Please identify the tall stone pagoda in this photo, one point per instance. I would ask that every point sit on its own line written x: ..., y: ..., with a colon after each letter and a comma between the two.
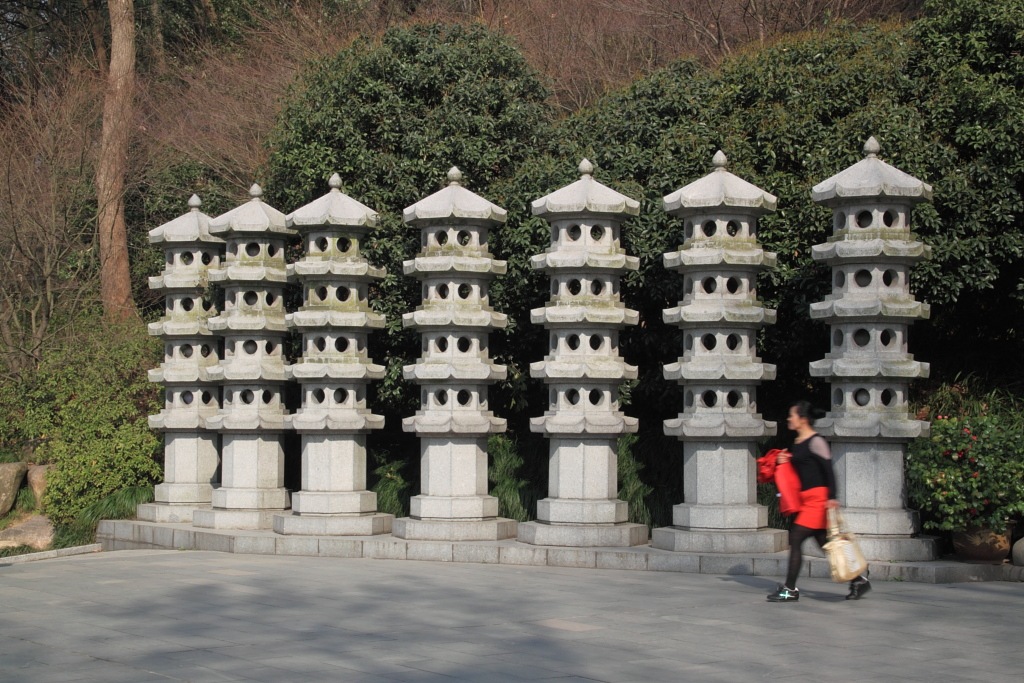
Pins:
x: 191, y: 396
x: 583, y: 371
x: 252, y: 372
x: 335, y: 320
x: 869, y: 313
x: 720, y: 316
x: 455, y: 368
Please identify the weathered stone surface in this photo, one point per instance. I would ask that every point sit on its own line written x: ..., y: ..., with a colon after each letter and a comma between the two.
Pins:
x: 11, y: 476
x: 1017, y: 554
x: 36, y: 531
x: 37, y: 482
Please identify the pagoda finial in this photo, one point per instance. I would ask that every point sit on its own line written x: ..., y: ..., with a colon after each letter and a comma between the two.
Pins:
x: 194, y: 202
x: 719, y: 161
x: 586, y: 168
x: 335, y: 183
x: 454, y: 176
x: 871, y: 148
x: 255, y: 191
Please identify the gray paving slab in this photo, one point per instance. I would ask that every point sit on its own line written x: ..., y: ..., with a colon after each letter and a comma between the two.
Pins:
x: 198, y: 616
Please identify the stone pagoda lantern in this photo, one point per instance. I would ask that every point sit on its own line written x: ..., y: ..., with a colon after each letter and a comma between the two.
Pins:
x: 584, y: 369
x: 455, y: 268
x: 869, y: 313
x: 191, y: 396
x: 252, y: 372
x: 335, y: 321
x: 720, y: 316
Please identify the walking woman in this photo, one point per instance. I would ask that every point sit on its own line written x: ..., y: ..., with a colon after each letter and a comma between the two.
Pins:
x: 811, y: 457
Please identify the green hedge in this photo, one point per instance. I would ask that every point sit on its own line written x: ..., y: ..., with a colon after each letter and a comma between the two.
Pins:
x: 84, y: 412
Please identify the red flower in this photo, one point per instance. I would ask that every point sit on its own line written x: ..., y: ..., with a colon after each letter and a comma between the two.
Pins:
x: 975, y: 475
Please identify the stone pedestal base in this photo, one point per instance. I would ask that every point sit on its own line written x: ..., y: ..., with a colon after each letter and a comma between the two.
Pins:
x: 454, y: 530
x: 183, y: 493
x: 584, y: 535
x: 190, y: 468
x: 233, y: 519
x: 334, y: 502
x: 725, y: 518
x: 895, y: 549
x: 453, y: 508
x: 271, y: 499
x: 717, y: 541
x: 581, y: 511
x: 327, y: 525
x: 167, y: 514
x: 881, y: 522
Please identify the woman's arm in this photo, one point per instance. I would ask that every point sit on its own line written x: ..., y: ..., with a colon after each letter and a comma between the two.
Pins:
x: 823, y: 456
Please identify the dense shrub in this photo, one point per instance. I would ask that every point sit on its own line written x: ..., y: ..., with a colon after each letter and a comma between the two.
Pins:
x: 85, y: 412
x: 514, y: 493
x: 969, y: 473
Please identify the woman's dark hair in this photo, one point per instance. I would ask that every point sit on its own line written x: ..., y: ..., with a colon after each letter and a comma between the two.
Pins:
x: 807, y: 411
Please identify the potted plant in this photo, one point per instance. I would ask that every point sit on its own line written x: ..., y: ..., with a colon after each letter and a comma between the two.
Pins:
x: 967, y: 478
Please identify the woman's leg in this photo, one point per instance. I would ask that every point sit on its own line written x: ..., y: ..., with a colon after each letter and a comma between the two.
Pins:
x: 797, y: 535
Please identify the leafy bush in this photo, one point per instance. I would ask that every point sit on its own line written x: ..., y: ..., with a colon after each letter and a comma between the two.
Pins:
x: 86, y: 409
x: 509, y: 488
x: 391, y: 488
x: 969, y: 473
x: 632, y: 489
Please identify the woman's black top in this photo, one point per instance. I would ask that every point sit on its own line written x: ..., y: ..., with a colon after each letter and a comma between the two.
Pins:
x: 813, y: 469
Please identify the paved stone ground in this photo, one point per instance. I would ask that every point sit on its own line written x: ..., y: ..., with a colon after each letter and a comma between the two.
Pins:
x: 156, y: 616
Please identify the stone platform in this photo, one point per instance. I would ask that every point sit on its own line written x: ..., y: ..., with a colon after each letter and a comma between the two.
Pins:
x: 134, y: 535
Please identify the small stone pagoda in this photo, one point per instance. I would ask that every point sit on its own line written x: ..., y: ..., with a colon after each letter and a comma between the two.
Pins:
x: 454, y: 370
x: 869, y: 313
x: 335, y: 320
x: 584, y: 369
x: 191, y: 396
x: 720, y: 316
x: 252, y: 372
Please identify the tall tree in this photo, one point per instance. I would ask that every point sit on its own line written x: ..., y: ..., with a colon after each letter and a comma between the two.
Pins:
x: 118, y: 108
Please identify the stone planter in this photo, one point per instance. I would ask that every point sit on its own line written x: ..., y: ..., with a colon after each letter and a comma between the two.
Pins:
x: 981, y: 545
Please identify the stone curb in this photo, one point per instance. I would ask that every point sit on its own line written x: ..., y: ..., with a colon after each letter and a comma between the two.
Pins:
x: 51, y: 554
x: 136, y: 535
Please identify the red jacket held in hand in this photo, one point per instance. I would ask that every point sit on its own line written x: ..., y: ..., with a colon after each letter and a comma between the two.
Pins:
x: 785, y: 478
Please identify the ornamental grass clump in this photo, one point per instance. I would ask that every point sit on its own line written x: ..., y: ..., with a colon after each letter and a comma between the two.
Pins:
x: 969, y: 474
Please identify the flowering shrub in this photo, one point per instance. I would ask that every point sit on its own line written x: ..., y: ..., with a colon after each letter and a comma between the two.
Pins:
x: 968, y: 473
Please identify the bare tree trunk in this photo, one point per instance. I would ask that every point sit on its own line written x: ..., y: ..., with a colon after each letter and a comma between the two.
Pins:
x: 99, y: 45
x: 210, y: 12
x: 157, y: 18
x: 115, y: 276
